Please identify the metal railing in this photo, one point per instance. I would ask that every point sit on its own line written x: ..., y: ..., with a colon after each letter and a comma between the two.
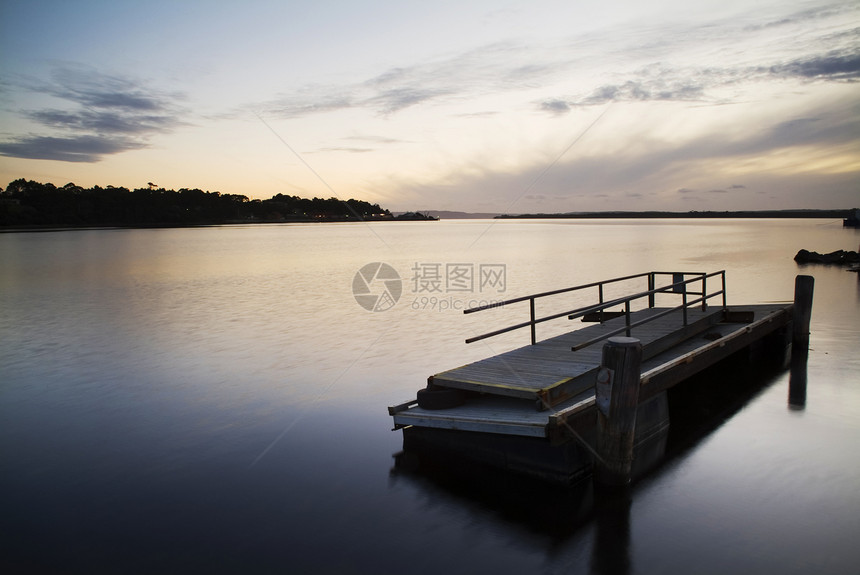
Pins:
x: 678, y: 286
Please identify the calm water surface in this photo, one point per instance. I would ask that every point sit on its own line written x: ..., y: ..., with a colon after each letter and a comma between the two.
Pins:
x: 214, y: 400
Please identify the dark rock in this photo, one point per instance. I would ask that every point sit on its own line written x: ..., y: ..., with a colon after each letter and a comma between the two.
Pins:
x: 839, y: 257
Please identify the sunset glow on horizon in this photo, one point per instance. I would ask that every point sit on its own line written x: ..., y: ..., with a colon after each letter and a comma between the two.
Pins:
x: 542, y: 106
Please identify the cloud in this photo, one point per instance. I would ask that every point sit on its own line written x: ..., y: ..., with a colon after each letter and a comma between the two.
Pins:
x: 311, y: 100
x: 692, y: 84
x: 556, y: 107
x: 93, y: 89
x: 103, y: 115
x: 346, y: 149
x: 695, y: 169
x: 775, y: 73
x: 484, y: 114
x: 839, y: 125
x: 663, y: 67
x: 804, y: 17
x: 396, y: 99
x: 103, y: 121
x: 644, y: 90
x: 73, y: 149
x: 394, y: 90
x: 374, y: 139
x: 832, y: 66
x: 488, y: 69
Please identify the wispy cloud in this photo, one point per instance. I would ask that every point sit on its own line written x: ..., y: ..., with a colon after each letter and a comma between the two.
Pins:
x: 555, y: 107
x: 695, y: 167
x: 490, y: 69
x: 643, y: 90
x: 72, y: 149
x: 351, y: 150
x: 399, y: 98
x: 88, y: 87
x: 832, y: 66
x: 701, y: 83
x: 661, y: 67
x: 805, y: 17
x: 100, y: 115
x: 373, y: 139
x: 103, y: 121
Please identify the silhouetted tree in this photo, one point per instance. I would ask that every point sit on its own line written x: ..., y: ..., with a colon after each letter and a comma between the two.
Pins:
x: 32, y: 203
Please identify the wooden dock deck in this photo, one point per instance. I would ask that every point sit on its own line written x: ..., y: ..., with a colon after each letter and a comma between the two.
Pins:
x: 554, y: 408
x: 549, y: 374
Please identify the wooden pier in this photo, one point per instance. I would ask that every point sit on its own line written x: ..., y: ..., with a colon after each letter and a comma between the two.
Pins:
x: 534, y: 409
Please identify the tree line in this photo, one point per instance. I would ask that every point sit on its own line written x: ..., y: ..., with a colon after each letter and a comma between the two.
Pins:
x: 29, y: 203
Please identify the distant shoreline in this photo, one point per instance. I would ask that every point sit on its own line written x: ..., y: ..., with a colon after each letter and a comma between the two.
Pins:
x: 764, y: 214
x: 749, y: 214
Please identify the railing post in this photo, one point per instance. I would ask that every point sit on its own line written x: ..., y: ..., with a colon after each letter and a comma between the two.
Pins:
x: 627, y: 317
x: 651, y: 301
x: 616, y: 397
x: 723, y: 274
x: 704, y: 292
x: 684, y: 308
x: 532, y: 312
x: 600, y: 296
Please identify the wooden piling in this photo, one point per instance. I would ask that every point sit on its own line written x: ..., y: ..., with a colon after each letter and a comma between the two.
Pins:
x: 797, y: 381
x: 802, y: 314
x: 617, y: 397
x: 801, y: 317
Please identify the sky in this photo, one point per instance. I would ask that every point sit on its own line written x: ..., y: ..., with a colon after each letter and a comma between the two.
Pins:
x: 477, y: 106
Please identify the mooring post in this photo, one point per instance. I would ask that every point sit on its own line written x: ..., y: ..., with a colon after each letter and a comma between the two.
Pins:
x: 803, y: 288
x: 801, y: 317
x: 797, y: 382
x: 617, y: 397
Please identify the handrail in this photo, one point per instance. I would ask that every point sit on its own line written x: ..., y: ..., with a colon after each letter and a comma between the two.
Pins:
x: 677, y: 287
x: 554, y: 292
x: 627, y: 327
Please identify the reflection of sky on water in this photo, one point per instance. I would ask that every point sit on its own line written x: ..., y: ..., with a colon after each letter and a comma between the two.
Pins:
x: 144, y: 371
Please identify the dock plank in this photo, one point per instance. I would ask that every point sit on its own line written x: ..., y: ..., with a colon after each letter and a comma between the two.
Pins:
x: 549, y: 371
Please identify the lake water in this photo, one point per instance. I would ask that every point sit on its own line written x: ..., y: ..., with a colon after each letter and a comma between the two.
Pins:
x: 214, y: 400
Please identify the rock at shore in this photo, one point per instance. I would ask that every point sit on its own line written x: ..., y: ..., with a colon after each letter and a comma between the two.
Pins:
x: 839, y: 257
